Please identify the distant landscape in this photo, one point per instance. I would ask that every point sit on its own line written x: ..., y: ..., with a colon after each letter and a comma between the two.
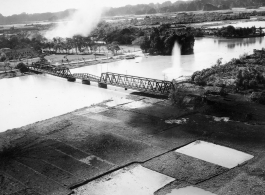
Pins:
x: 166, y: 7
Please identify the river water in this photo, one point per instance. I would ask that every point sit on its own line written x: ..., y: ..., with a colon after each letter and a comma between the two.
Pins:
x: 33, y: 98
x: 206, y: 53
x: 28, y: 99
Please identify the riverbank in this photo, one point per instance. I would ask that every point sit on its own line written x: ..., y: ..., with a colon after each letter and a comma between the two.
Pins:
x: 72, y: 64
x: 12, y: 74
x: 88, y: 62
x: 236, y: 37
x: 96, y: 144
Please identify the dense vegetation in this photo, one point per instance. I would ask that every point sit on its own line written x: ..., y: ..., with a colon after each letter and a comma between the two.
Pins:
x: 162, y: 40
x: 116, y: 32
x: 248, y: 72
x: 231, y: 31
x: 19, y: 42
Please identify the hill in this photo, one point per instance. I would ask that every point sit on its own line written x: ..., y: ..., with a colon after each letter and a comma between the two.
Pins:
x: 167, y: 6
x: 25, y: 18
x: 178, y: 6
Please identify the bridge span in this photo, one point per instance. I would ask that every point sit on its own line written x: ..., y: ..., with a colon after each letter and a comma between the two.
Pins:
x: 147, y: 85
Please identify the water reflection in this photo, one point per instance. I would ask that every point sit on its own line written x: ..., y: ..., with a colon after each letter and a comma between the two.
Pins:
x: 231, y: 45
x: 243, y: 24
x: 216, y: 154
x: 131, y: 180
x: 240, y: 42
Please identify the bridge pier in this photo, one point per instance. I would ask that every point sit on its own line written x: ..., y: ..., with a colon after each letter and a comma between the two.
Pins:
x: 86, y: 82
x: 71, y: 79
x: 102, y: 85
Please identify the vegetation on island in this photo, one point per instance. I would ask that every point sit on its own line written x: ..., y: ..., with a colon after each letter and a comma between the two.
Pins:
x: 161, y: 41
x: 232, y: 32
x: 246, y: 75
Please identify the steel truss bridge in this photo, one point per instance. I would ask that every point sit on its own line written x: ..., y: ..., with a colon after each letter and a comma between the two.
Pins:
x: 142, y: 84
x: 138, y: 83
x: 86, y: 76
x: 60, y: 72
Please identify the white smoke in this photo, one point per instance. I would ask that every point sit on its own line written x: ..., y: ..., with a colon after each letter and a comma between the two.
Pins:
x: 176, y: 69
x: 82, y: 22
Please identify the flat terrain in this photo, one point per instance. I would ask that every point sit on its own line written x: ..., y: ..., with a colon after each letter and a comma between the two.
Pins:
x: 66, y: 154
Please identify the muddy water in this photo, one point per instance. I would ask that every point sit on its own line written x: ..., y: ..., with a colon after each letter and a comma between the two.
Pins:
x: 206, y: 53
x: 130, y: 181
x: 29, y: 99
x: 216, y: 154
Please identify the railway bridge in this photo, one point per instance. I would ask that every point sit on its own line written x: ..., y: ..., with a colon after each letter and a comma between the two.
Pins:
x: 147, y: 85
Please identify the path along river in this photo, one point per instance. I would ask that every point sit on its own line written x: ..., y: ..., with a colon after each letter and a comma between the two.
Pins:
x: 33, y: 98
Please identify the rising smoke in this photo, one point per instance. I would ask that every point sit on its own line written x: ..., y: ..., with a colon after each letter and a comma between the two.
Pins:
x: 176, y: 69
x: 81, y: 22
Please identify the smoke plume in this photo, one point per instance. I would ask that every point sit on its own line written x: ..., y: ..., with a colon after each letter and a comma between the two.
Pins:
x: 176, y: 69
x: 81, y: 22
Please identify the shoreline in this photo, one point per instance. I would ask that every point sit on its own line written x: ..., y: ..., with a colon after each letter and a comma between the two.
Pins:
x: 16, y: 73
x: 246, y: 37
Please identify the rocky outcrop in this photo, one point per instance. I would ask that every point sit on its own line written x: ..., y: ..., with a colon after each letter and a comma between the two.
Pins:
x: 161, y: 41
x: 187, y: 44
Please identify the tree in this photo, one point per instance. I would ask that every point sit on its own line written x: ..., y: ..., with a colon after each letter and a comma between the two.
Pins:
x: 3, y: 57
x: 230, y: 30
x: 114, y: 47
x: 145, y: 44
x: 157, y: 44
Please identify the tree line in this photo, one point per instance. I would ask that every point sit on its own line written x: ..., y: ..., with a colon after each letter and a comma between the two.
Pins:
x: 231, y: 31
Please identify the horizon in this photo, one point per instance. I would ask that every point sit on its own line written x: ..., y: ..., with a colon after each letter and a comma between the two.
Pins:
x: 33, y: 6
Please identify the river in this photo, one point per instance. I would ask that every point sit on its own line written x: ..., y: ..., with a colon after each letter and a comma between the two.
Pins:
x: 29, y: 99
x: 206, y: 53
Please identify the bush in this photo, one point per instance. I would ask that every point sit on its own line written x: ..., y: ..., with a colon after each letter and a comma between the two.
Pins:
x: 178, y: 94
x: 253, y: 84
x: 258, y: 97
x: 199, y: 80
x: 22, y: 67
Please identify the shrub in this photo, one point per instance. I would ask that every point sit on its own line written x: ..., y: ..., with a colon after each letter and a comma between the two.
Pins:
x: 178, y: 94
x: 22, y: 67
x: 253, y: 84
x: 199, y: 80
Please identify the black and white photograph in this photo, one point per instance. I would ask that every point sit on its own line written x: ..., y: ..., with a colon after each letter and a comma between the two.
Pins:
x: 142, y: 97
